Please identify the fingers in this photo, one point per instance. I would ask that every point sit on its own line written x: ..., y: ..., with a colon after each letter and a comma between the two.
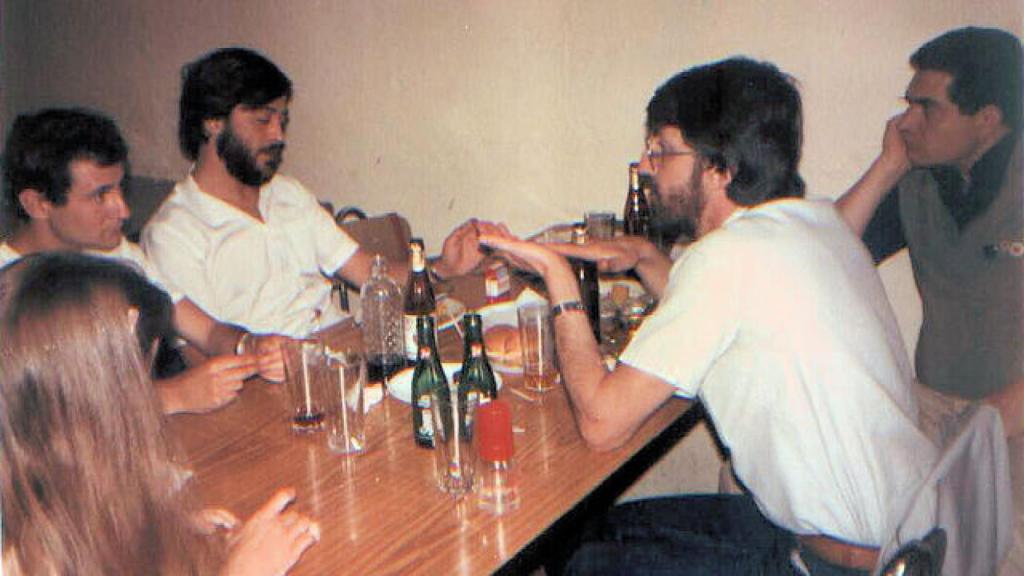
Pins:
x: 211, y: 519
x: 233, y: 368
x: 278, y: 502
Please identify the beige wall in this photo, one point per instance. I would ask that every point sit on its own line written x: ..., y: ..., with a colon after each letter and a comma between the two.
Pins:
x: 522, y: 111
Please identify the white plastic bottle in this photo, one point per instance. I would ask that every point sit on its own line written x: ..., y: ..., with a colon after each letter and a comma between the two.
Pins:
x: 381, y: 301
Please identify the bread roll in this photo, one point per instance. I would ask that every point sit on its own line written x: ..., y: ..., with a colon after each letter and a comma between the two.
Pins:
x: 502, y: 342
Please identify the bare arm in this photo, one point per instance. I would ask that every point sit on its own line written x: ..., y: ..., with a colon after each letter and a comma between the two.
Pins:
x: 622, y: 254
x: 460, y: 254
x: 859, y: 203
x: 207, y: 387
x: 203, y: 332
x: 608, y: 406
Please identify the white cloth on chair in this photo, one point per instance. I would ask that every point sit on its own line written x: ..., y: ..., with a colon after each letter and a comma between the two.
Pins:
x: 968, y: 495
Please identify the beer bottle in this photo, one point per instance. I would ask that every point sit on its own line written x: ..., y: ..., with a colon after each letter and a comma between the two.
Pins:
x: 477, y: 376
x: 586, y: 275
x: 427, y: 376
x: 419, y: 297
x: 636, y: 217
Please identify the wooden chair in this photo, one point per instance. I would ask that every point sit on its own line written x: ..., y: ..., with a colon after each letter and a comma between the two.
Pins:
x: 387, y: 235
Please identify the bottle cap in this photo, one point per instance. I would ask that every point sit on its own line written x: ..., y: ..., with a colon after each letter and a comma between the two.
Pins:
x: 494, y: 431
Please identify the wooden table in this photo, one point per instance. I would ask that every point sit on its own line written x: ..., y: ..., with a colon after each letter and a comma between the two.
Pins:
x: 381, y: 511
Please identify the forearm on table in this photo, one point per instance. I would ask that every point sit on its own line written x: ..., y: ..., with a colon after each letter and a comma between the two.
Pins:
x: 204, y: 332
x: 168, y: 391
x: 582, y: 367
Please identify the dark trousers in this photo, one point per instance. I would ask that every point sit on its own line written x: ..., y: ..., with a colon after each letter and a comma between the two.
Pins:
x: 698, y: 534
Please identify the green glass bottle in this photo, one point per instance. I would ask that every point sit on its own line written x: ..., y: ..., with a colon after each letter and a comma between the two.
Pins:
x: 477, y: 376
x: 427, y: 376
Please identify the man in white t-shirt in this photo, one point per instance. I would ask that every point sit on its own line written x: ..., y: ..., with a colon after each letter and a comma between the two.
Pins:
x: 248, y: 245
x: 63, y: 174
x: 775, y: 319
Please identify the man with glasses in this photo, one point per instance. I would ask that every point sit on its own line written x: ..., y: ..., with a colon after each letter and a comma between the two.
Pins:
x: 248, y: 245
x: 775, y: 319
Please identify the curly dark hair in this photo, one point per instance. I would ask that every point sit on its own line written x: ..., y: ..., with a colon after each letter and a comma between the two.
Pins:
x: 213, y: 85
x: 41, y: 146
x: 741, y: 116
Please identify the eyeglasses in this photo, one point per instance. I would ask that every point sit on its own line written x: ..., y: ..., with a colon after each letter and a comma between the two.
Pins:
x: 658, y: 158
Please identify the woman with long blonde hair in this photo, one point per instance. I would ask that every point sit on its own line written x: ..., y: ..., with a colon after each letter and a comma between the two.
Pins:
x: 87, y: 484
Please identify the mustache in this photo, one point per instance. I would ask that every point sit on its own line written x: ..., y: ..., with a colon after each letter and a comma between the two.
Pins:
x: 275, y: 149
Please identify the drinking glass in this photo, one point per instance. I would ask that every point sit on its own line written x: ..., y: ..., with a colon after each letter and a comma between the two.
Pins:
x: 346, y: 431
x: 453, y: 438
x: 536, y: 340
x: 600, y: 225
x: 305, y: 376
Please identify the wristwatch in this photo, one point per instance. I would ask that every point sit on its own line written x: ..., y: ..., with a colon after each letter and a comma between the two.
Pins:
x: 567, y: 306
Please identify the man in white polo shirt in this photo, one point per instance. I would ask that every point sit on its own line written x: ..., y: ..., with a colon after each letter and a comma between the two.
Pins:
x: 775, y: 319
x: 63, y: 173
x: 248, y: 245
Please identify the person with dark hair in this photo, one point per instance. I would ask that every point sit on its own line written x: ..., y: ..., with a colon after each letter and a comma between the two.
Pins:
x: 249, y: 245
x: 63, y: 178
x: 86, y: 481
x: 948, y: 186
x: 775, y: 318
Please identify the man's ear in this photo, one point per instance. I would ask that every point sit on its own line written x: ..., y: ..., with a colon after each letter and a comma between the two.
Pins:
x: 989, y: 117
x: 35, y: 203
x: 717, y: 178
x: 212, y: 127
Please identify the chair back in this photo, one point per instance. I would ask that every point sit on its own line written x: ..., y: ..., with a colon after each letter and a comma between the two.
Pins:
x: 387, y: 235
x: 919, y: 558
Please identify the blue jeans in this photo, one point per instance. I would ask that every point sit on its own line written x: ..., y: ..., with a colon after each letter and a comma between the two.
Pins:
x: 698, y: 534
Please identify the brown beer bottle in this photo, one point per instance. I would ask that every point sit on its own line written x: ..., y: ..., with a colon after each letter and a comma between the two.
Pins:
x: 636, y: 217
x: 586, y: 275
x: 419, y: 297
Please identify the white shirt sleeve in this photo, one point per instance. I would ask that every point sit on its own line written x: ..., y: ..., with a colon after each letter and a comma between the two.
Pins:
x: 333, y: 246
x: 695, y: 323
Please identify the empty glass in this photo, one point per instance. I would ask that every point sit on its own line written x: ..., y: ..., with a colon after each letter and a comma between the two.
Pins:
x: 346, y: 431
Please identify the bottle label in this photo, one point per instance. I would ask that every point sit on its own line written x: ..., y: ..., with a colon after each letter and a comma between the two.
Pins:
x: 411, y: 347
x: 426, y: 429
x: 496, y: 282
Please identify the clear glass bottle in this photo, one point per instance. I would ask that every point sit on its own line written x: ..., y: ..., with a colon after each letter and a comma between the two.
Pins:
x: 381, y: 301
x: 419, y: 296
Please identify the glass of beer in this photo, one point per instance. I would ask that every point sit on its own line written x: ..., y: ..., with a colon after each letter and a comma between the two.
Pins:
x: 306, y: 376
x: 536, y: 339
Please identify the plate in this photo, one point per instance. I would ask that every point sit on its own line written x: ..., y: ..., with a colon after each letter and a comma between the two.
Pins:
x: 400, y: 385
x: 504, y: 313
x: 449, y: 311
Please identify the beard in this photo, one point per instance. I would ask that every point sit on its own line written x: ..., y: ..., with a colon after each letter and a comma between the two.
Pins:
x: 241, y: 162
x: 678, y: 216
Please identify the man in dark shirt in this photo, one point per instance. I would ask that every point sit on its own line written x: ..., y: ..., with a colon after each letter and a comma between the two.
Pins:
x: 947, y: 185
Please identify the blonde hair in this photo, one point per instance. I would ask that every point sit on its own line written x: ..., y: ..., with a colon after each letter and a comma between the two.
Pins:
x: 86, y: 483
